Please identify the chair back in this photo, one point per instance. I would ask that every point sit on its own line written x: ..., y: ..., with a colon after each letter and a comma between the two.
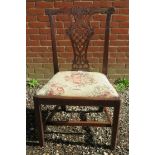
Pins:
x: 80, y: 31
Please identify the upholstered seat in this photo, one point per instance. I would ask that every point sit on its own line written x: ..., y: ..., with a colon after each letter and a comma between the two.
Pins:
x: 80, y: 84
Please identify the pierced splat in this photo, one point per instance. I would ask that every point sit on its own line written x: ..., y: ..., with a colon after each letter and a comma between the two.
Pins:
x: 80, y: 33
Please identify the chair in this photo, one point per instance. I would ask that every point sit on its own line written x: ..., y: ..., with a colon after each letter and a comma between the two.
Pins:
x: 79, y: 87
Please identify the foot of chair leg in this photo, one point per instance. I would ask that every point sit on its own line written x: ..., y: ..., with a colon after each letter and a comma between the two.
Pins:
x: 39, y: 123
x: 115, y: 125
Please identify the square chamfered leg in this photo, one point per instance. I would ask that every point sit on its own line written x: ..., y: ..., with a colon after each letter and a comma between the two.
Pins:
x: 115, y: 124
x: 39, y: 123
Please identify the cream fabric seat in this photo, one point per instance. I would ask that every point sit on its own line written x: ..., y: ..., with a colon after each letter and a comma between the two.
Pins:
x: 79, y: 84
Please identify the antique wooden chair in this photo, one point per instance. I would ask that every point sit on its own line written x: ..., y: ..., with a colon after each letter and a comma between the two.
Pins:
x: 79, y: 87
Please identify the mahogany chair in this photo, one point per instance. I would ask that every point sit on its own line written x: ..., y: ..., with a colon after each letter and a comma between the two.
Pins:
x: 79, y: 87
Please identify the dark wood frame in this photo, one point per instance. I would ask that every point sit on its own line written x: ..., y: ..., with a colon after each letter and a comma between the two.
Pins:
x: 78, y: 101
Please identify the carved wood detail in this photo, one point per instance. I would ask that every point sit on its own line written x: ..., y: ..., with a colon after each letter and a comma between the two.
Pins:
x: 80, y: 33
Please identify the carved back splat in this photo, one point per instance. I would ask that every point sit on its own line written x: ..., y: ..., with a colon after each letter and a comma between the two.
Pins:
x: 80, y: 33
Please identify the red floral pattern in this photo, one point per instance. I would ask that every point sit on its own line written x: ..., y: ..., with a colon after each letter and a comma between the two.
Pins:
x: 80, y: 78
x: 55, y: 90
x: 79, y: 83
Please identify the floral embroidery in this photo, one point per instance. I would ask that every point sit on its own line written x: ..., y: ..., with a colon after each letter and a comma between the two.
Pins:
x: 80, y: 78
x: 101, y: 91
x: 55, y: 89
x: 79, y: 83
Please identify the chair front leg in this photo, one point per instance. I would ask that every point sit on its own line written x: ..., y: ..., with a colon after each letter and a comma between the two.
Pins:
x: 115, y: 124
x: 39, y: 123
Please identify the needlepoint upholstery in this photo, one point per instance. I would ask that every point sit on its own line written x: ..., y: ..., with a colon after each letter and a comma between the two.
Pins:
x: 79, y: 84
